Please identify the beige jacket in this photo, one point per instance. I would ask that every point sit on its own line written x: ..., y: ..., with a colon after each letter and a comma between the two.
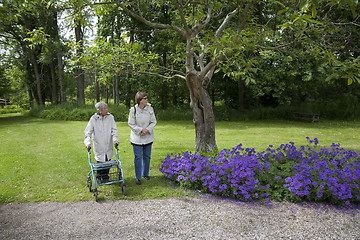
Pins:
x: 104, y: 132
x: 140, y: 119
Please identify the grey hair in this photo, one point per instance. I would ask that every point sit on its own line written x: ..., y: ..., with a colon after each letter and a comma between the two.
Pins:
x: 100, y: 106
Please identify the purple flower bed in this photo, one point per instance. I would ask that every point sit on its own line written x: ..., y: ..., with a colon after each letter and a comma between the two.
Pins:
x: 285, y: 173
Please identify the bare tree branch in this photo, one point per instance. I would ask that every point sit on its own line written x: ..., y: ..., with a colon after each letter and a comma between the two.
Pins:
x: 274, y: 48
x: 162, y: 76
x: 226, y: 21
x: 151, y: 24
x: 169, y: 70
x: 201, y: 24
x: 348, y: 23
x: 182, y: 16
x: 243, y: 16
x: 210, y: 67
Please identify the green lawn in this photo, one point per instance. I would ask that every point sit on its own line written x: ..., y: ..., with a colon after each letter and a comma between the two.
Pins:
x: 43, y: 160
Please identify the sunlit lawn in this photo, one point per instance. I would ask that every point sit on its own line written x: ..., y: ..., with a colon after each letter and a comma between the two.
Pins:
x: 42, y: 160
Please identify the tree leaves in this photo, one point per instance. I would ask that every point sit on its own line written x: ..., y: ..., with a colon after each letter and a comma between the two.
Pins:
x: 37, y: 37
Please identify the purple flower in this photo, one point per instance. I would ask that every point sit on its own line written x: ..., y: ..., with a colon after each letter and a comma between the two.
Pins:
x: 311, y: 173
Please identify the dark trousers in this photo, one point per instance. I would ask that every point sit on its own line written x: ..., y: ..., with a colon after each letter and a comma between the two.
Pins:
x: 103, y: 175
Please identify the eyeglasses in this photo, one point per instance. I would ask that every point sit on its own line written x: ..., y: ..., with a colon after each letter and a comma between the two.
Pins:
x: 145, y: 98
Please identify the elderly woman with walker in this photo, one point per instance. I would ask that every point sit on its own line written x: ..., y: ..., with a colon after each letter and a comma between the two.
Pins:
x: 102, y: 128
x: 142, y: 122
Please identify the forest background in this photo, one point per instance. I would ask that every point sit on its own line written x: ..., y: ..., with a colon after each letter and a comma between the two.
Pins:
x: 227, y: 60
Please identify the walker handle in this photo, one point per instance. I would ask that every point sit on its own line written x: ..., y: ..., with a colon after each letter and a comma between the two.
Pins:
x: 88, y: 148
x: 116, y: 146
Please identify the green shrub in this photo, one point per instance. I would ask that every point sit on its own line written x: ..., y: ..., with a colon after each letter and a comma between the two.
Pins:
x: 10, y: 109
x: 79, y: 114
x: 120, y: 112
x: 332, y: 110
x: 174, y: 114
x: 75, y: 112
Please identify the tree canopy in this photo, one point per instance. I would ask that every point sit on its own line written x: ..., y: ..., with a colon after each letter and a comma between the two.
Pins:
x: 243, y: 54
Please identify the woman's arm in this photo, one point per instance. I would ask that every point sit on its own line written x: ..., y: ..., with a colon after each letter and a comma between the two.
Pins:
x: 132, y: 122
x: 88, y: 132
x: 152, y: 121
x: 114, y: 132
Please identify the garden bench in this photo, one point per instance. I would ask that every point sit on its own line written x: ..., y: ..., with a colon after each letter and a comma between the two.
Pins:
x: 314, y: 117
x: 4, y: 102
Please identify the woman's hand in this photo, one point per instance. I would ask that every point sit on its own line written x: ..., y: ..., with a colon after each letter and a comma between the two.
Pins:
x: 144, y: 131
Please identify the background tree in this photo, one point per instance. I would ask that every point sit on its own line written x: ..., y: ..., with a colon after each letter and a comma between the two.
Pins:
x: 31, y: 29
x: 221, y: 55
x: 210, y: 40
x: 193, y: 26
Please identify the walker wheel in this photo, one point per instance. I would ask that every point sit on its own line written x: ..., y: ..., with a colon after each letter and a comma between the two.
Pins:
x: 123, y: 189
x: 96, y: 195
x: 89, y: 184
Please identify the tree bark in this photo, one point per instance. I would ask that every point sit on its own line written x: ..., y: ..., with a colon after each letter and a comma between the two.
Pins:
x: 79, y: 71
x: 60, y: 65
x: 204, y: 119
x: 97, y: 90
x: 164, y: 85
x: 37, y: 78
x: 116, y: 89
x: 29, y: 83
x: 197, y: 80
x: 241, y: 92
x: 106, y: 94
x: 53, y: 84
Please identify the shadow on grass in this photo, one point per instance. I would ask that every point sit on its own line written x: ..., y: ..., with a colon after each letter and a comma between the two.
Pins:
x: 230, y: 125
x: 9, y: 119
x: 156, y: 187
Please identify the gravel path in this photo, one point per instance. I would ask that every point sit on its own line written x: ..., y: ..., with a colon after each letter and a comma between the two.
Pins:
x: 201, y: 217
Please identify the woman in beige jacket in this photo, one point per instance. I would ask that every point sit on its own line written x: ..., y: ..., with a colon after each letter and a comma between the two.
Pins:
x: 102, y: 128
x: 142, y: 122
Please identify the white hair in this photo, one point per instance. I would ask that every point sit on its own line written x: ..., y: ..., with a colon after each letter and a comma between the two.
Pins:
x: 100, y: 106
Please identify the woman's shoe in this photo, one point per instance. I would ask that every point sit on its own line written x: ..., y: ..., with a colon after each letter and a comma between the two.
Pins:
x: 147, y: 177
x: 138, y: 182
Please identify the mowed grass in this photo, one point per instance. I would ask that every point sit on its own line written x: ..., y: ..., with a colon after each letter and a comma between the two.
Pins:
x: 43, y: 160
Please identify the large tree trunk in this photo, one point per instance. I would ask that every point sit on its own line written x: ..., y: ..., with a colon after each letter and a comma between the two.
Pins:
x: 60, y: 64
x: 296, y: 98
x: 128, y: 89
x: 116, y: 89
x: 164, y: 85
x: 241, y: 91
x: 79, y: 71
x: 29, y: 83
x: 197, y: 81
x: 53, y: 85
x: 106, y: 93
x: 97, y: 89
x: 174, y: 99
x: 204, y: 119
x: 37, y: 78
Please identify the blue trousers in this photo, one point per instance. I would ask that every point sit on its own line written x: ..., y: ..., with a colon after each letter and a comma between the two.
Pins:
x: 142, y: 159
